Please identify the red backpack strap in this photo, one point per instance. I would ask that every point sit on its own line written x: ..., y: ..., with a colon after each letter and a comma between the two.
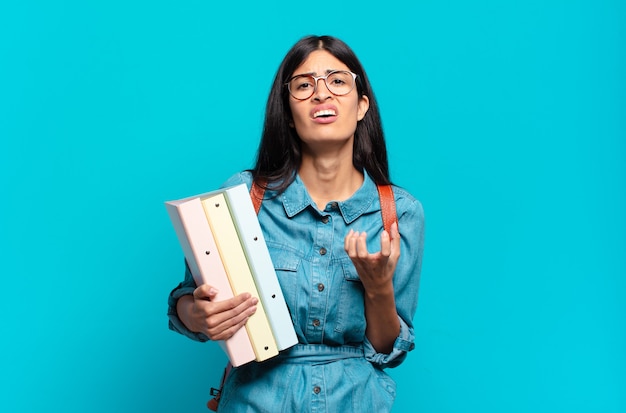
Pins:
x: 257, y: 191
x: 213, y: 404
x: 387, y: 206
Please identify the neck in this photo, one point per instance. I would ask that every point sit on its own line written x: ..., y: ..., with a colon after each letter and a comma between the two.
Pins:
x: 330, y: 177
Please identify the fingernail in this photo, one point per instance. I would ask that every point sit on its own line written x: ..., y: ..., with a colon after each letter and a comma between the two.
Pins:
x: 213, y: 291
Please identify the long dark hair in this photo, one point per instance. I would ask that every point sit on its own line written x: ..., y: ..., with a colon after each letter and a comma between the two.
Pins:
x: 280, y: 154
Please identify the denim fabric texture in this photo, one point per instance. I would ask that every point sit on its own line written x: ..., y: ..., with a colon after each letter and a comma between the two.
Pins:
x: 334, y: 368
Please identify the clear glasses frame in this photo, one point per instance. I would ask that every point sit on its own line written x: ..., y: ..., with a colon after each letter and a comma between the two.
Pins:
x: 316, y: 79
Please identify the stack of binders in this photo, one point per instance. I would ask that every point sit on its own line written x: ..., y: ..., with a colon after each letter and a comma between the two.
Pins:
x: 225, y: 248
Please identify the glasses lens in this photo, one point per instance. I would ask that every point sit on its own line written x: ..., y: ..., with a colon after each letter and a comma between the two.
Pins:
x: 301, y: 87
x: 340, y: 83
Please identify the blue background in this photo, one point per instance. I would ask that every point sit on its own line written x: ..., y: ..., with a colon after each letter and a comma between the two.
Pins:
x: 506, y: 119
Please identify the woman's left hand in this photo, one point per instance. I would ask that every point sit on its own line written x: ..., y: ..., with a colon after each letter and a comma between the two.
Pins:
x: 376, y: 269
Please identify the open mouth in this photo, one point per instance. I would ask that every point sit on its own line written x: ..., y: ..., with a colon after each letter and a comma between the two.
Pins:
x: 326, y: 113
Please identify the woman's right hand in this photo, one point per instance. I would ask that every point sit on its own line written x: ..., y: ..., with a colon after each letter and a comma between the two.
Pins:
x: 217, y: 320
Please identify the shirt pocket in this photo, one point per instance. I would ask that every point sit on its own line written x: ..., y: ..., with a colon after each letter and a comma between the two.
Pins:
x: 351, y: 309
x: 286, y: 263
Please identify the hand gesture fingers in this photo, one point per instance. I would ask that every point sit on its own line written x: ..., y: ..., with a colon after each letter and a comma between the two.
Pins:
x: 377, y: 268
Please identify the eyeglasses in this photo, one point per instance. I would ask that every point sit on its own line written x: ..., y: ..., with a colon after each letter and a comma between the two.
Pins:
x: 338, y: 82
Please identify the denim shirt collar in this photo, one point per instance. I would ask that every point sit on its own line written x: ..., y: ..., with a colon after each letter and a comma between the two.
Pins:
x: 296, y: 199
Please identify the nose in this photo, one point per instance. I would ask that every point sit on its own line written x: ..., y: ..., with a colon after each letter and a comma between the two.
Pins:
x: 321, y: 90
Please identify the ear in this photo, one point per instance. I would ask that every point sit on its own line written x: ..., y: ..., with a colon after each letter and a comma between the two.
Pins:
x: 363, y: 106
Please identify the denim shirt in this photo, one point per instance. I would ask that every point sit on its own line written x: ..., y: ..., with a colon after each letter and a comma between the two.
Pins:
x: 320, y: 284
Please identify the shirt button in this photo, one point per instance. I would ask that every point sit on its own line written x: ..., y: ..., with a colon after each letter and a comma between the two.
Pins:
x: 325, y: 219
x: 320, y: 287
x: 322, y: 251
x: 333, y: 205
x: 316, y: 322
x: 317, y: 389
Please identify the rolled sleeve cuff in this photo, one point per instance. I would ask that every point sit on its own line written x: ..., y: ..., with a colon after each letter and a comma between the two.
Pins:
x: 175, y: 323
x: 404, y: 343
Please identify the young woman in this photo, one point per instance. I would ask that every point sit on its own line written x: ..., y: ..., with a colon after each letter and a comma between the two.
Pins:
x: 321, y: 157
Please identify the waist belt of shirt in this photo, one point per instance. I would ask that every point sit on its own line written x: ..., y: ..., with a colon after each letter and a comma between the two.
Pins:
x: 319, y: 353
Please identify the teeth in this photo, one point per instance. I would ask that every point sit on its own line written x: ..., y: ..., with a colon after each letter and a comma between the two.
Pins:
x: 326, y: 112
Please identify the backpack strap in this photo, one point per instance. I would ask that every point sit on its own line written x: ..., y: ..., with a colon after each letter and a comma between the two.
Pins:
x: 387, y: 206
x: 213, y: 404
x: 385, y: 194
x: 256, y: 193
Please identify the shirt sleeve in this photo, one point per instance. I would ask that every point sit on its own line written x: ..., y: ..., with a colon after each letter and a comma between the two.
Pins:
x: 404, y: 343
x: 186, y: 287
x: 406, y: 280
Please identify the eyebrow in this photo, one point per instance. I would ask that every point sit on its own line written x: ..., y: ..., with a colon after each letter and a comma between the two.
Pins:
x: 315, y: 73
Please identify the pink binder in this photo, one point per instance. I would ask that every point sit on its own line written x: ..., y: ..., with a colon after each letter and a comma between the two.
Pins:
x: 195, y: 237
